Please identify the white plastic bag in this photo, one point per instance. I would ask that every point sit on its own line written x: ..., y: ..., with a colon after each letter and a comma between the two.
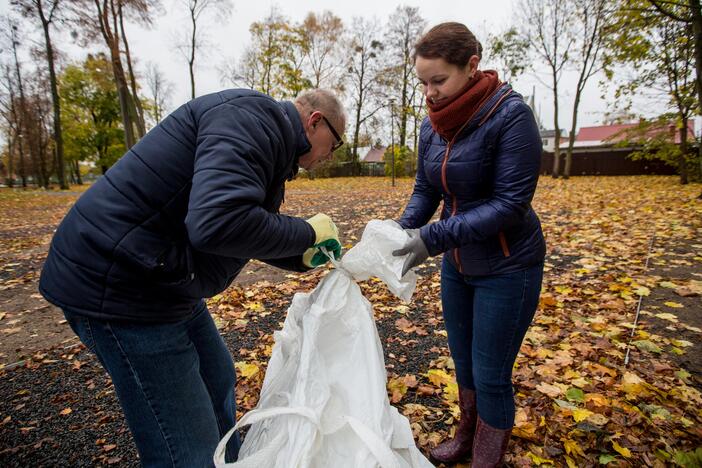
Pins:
x: 372, y: 256
x: 324, y: 401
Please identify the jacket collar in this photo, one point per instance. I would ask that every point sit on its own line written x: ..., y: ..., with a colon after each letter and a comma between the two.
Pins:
x: 491, y: 105
x: 302, y: 144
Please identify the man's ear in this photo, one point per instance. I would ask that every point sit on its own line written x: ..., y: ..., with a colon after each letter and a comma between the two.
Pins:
x: 314, y: 119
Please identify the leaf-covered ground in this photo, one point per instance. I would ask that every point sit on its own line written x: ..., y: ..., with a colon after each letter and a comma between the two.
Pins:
x: 615, y: 246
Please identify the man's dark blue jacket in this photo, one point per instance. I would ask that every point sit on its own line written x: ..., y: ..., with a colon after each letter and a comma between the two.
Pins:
x: 486, y: 178
x: 180, y: 214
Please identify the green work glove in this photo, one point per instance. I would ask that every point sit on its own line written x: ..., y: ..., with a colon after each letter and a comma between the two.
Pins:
x: 327, y: 236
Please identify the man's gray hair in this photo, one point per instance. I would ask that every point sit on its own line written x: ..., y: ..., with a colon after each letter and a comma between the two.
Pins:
x: 327, y: 103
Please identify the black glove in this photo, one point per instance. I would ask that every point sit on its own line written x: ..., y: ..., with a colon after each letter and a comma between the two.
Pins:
x: 414, y: 248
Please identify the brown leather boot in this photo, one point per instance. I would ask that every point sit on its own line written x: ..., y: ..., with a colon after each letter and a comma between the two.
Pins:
x: 489, y: 445
x: 458, y: 448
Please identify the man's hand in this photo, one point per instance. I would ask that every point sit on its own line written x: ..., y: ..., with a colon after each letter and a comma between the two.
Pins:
x: 414, y: 248
x: 327, y: 236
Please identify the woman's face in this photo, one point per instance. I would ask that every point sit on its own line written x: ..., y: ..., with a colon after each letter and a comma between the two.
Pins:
x: 442, y: 80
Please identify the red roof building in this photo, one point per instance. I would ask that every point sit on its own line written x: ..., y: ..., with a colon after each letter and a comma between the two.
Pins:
x: 607, y: 135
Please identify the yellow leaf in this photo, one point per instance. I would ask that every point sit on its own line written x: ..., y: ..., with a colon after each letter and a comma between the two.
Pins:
x: 439, y: 377
x: 597, y: 398
x: 550, y: 390
x: 537, y: 460
x: 451, y: 392
x: 247, y: 369
x: 66, y: 411
x: 625, y: 452
x: 581, y: 414
x: 572, y: 447
x: 598, y: 419
x: 675, y: 305
x: 254, y: 306
x: 397, y: 388
x: 668, y: 316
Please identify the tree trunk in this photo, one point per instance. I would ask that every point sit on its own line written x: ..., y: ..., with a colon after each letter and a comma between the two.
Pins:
x: 682, y: 163
x: 20, y: 115
x: 112, y: 41
x: 571, y: 136
x: 697, y: 33
x: 403, y: 110
x: 79, y: 179
x: 357, y: 130
x: 58, y: 136
x: 136, y: 108
x: 9, y: 181
x: 356, y: 158
x: 191, y: 60
x: 557, y: 140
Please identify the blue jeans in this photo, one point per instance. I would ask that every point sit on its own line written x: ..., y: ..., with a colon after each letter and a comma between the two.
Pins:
x: 486, y: 318
x: 175, y: 382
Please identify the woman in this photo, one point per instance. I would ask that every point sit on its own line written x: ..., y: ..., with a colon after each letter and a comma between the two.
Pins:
x: 479, y: 152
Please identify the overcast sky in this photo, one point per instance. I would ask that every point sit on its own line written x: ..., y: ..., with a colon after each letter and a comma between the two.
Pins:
x: 227, y: 38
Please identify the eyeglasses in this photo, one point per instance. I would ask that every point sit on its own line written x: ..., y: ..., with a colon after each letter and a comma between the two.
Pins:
x: 333, y: 131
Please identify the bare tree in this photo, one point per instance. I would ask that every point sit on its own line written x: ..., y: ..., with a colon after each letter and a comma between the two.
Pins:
x: 247, y: 72
x: 9, y: 111
x: 364, y: 69
x: 546, y: 26
x: 101, y: 18
x: 141, y: 12
x: 197, y: 10
x: 508, y: 52
x: 17, y: 109
x: 589, y: 29
x: 322, y: 33
x: 161, y: 91
x: 688, y: 12
x: 273, y: 63
x: 46, y: 11
x: 661, y: 54
x: 405, y: 27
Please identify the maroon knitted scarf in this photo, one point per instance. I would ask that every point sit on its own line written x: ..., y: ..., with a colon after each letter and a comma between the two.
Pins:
x: 447, y: 118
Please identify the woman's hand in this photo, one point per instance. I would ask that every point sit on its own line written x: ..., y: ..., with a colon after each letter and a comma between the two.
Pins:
x: 414, y: 248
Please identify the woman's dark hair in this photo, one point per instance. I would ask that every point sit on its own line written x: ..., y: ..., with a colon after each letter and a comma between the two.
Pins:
x: 451, y: 41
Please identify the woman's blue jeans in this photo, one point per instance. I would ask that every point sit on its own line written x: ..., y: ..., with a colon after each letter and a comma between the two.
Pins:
x: 486, y: 318
x: 175, y: 382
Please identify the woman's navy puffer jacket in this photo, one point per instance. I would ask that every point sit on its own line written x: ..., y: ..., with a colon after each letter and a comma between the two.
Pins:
x: 486, y: 177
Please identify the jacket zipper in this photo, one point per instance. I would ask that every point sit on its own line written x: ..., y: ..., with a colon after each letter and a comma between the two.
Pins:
x: 454, y: 205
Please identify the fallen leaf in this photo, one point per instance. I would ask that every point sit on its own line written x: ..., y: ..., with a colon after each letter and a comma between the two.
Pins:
x: 621, y: 450
x: 550, y: 390
x: 247, y: 369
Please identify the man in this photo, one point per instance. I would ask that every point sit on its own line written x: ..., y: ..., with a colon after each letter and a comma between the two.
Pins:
x: 172, y: 222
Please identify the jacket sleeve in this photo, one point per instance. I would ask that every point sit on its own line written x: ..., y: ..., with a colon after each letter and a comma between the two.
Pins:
x: 235, y: 165
x: 424, y: 200
x: 516, y: 173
